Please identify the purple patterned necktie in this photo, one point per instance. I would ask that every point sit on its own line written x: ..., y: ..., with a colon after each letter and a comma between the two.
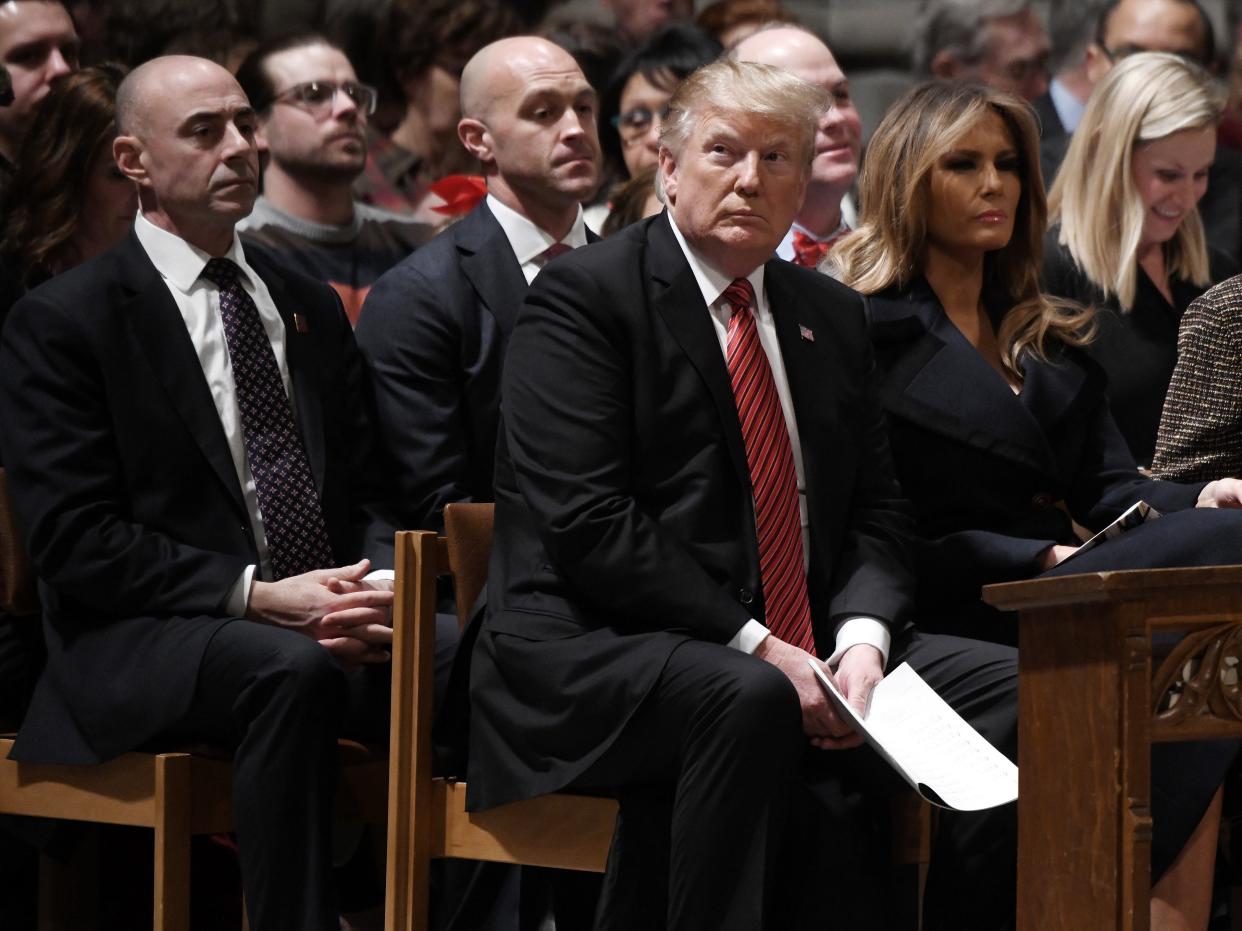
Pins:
x: 297, y: 537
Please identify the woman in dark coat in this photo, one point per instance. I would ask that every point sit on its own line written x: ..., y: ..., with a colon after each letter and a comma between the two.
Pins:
x: 998, y: 419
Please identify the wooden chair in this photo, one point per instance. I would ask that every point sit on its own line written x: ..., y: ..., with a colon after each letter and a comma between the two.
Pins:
x: 1092, y: 697
x: 427, y: 816
x: 176, y: 794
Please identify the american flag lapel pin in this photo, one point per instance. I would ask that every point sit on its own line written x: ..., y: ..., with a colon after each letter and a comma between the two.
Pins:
x: 806, y: 333
x: 300, y: 324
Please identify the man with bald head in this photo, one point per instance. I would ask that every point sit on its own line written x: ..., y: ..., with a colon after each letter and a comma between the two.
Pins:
x: 821, y: 219
x: 434, y: 328
x: 190, y: 459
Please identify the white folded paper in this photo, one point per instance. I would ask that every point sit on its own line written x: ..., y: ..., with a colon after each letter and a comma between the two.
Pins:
x: 939, y: 754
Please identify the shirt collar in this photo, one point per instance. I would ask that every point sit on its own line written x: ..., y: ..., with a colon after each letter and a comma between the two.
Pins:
x: 1069, y: 108
x: 841, y: 229
x: 526, y: 239
x: 177, y: 260
x: 712, y: 282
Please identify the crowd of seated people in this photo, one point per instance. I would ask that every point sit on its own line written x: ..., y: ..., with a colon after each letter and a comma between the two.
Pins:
x: 748, y: 397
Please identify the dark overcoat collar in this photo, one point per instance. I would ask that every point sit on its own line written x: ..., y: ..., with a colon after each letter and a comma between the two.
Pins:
x: 931, y: 375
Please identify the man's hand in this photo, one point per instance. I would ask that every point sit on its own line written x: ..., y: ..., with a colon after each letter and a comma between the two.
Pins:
x: 351, y: 617
x: 819, y: 721
x: 1054, y: 555
x: 1222, y: 493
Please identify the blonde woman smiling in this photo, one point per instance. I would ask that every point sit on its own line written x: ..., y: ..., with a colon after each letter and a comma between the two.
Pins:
x: 1126, y: 236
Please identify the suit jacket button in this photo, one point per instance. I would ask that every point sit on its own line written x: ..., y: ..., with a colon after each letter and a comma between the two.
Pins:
x: 746, y: 596
x: 1043, y: 501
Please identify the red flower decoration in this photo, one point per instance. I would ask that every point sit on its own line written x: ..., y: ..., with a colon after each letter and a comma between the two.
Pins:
x: 460, y: 193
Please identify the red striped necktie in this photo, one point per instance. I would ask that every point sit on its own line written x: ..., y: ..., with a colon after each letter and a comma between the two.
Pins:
x: 769, y: 454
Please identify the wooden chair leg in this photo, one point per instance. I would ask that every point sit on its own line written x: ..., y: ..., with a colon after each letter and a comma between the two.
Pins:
x: 69, y: 889
x: 172, y: 842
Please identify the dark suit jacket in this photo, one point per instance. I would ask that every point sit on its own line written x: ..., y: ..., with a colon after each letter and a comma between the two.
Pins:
x: 129, y: 499
x: 1220, y: 208
x: 1050, y: 125
x: 987, y: 470
x: 433, y: 331
x: 624, y: 517
x: 1137, y: 349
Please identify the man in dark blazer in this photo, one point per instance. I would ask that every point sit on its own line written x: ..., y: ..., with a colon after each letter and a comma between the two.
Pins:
x: 434, y: 328
x: 671, y: 557
x: 191, y: 464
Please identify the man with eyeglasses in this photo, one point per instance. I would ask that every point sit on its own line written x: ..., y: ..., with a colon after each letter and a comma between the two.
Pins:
x: 312, y: 114
x: 1001, y: 43
x: 434, y: 329
x: 1182, y: 27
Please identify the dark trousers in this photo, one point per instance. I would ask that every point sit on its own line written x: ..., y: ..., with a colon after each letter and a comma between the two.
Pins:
x: 280, y: 701
x: 730, y: 820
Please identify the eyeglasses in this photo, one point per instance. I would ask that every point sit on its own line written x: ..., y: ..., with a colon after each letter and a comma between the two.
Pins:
x: 1125, y: 51
x: 317, y: 97
x: 633, y: 124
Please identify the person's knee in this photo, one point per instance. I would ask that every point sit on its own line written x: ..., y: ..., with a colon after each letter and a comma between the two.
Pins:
x: 758, y: 705
x: 300, y: 672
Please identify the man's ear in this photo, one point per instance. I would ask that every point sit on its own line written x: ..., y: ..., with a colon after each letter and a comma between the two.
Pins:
x: 127, y: 152
x: 946, y: 65
x: 476, y: 138
x: 1098, y: 63
x: 668, y: 174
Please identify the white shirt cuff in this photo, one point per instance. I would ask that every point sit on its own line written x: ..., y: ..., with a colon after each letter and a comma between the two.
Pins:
x: 749, y: 636
x: 238, y: 599
x: 383, y: 574
x: 855, y: 630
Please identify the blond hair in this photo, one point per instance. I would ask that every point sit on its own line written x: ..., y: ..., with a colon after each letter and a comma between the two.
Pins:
x: 887, y: 248
x: 1147, y: 96
x: 731, y: 86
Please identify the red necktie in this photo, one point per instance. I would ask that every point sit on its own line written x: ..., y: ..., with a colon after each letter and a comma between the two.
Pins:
x: 772, y: 476
x: 557, y: 248
x: 809, y: 252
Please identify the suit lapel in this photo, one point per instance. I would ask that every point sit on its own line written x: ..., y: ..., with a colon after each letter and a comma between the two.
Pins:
x: 307, y: 403
x: 679, y: 301
x: 491, y: 267
x: 810, y: 367
x: 160, y: 330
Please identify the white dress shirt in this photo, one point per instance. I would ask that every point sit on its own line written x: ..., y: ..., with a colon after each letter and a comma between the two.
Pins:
x: 849, y: 221
x: 712, y: 283
x: 181, y: 266
x: 1069, y: 108
x: 528, y: 241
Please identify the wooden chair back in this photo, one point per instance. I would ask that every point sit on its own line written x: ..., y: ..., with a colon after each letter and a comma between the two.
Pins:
x: 468, y: 537
x: 427, y: 816
x: 17, y: 584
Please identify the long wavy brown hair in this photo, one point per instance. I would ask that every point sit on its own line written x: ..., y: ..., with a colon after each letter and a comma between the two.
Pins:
x: 76, y: 122
x: 888, y: 246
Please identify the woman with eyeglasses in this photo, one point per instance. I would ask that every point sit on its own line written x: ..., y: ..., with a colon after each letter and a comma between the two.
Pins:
x: 636, y: 98
x: 998, y: 420
x: 1127, y: 238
